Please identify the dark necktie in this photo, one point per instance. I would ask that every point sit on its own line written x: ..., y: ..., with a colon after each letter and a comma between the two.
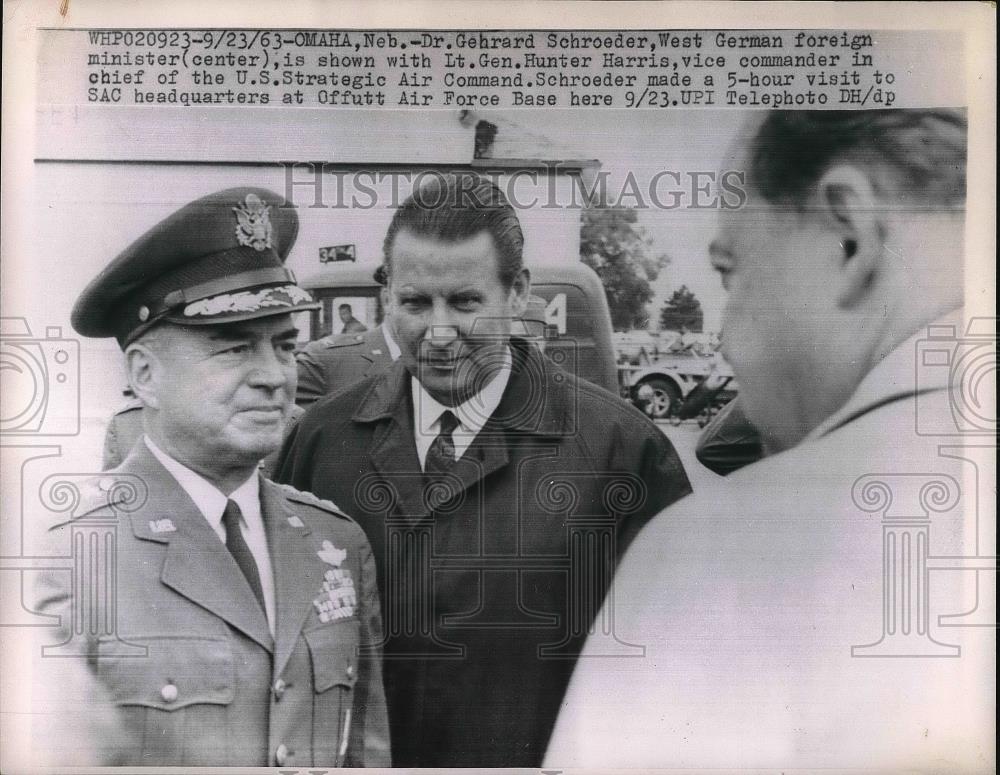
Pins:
x: 441, y: 454
x: 237, y: 547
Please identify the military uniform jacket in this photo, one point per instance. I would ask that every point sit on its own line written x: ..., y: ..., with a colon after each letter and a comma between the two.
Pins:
x: 186, y: 656
x: 487, y: 592
x: 337, y: 361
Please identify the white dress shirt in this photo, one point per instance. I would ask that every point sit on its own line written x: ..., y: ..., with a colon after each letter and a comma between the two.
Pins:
x: 472, y: 415
x: 211, y: 502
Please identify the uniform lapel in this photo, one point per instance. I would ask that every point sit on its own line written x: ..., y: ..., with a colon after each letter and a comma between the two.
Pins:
x: 298, y: 572
x: 197, y: 564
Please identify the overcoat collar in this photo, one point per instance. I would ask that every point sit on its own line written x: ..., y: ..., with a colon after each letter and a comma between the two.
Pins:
x: 538, y: 402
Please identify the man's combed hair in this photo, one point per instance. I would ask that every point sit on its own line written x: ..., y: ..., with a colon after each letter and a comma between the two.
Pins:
x: 924, y: 150
x: 457, y: 207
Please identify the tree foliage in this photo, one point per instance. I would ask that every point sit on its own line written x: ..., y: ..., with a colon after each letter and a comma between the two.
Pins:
x: 619, y: 250
x: 682, y: 310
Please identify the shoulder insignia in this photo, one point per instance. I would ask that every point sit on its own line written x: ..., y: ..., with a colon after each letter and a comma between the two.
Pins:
x: 96, y: 494
x: 300, y: 496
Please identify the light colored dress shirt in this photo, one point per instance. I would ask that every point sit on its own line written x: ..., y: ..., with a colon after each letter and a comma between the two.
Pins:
x: 472, y: 415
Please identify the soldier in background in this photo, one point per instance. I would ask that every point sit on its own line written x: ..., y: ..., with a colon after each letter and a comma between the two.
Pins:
x: 334, y: 362
x: 351, y: 324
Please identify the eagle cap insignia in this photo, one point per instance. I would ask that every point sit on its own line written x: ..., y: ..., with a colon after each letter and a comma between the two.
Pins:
x: 253, y: 223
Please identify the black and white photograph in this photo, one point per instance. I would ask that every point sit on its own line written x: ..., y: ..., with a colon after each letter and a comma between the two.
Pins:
x: 534, y: 386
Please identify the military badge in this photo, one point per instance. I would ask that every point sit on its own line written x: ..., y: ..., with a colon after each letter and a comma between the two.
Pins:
x: 162, y: 526
x: 339, y: 599
x: 294, y: 521
x: 331, y: 554
x: 253, y: 223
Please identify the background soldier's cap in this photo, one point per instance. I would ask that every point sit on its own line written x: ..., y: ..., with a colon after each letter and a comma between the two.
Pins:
x: 219, y: 259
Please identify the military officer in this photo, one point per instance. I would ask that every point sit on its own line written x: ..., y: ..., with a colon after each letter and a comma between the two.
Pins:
x: 247, y: 620
x: 351, y: 324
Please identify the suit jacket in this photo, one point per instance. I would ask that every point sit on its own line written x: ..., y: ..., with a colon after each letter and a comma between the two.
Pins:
x: 491, y: 575
x: 820, y: 610
x: 334, y: 362
x: 184, y: 653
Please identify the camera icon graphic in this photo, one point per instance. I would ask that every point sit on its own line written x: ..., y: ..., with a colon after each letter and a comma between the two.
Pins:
x: 40, y: 380
x: 968, y: 364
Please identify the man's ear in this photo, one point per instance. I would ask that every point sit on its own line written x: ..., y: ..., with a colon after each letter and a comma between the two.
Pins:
x: 143, y: 366
x: 520, y: 290
x: 850, y: 207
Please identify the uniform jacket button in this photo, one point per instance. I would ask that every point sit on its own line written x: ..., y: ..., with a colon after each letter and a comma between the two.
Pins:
x: 350, y: 670
x: 279, y: 689
x: 282, y: 755
x: 168, y: 692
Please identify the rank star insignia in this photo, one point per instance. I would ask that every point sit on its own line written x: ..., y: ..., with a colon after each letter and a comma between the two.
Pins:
x: 331, y: 554
x: 253, y: 223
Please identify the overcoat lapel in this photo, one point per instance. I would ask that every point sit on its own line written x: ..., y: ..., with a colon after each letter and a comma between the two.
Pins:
x: 393, y: 453
x: 196, y: 564
x: 524, y: 409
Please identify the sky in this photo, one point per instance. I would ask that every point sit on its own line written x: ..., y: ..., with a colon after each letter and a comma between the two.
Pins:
x: 644, y: 143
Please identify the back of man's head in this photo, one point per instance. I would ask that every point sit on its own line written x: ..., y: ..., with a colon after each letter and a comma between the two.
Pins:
x: 456, y: 207
x: 917, y: 157
x: 849, y: 243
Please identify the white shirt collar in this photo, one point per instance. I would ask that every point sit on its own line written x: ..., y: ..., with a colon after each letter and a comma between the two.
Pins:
x: 394, y: 351
x: 472, y: 414
x: 211, y: 502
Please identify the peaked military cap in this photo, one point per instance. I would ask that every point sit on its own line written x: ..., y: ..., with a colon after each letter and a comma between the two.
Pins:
x: 219, y: 259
